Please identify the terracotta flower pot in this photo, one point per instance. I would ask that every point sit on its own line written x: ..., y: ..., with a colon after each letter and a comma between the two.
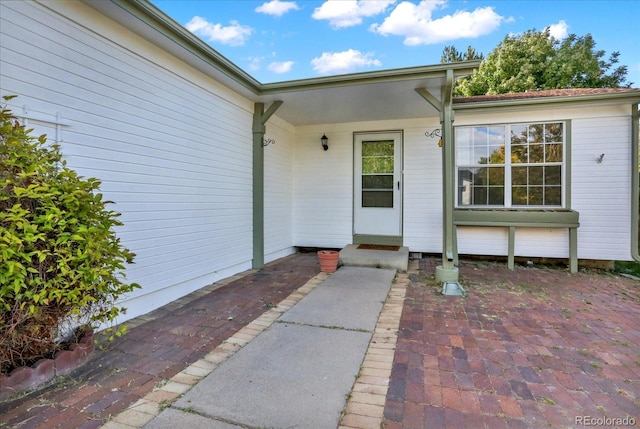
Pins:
x: 328, y: 260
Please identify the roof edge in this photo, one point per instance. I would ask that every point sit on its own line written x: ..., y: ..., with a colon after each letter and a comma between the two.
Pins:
x: 460, y: 69
x: 467, y: 103
x: 150, y: 15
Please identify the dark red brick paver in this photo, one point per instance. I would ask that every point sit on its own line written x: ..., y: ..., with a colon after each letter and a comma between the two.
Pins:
x: 530, y: 348
x: 172, y: 339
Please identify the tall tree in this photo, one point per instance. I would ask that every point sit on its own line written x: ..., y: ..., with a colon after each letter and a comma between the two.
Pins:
x: 451, y: 55
x: 536, y: 61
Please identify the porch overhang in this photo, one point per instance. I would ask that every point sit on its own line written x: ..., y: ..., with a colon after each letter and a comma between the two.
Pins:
x: 370, y: 96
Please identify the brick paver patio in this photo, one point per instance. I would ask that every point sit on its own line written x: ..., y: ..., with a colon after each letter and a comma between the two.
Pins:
x: 531, y: 348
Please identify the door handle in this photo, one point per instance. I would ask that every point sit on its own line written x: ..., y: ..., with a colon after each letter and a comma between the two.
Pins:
x: 398, y: 185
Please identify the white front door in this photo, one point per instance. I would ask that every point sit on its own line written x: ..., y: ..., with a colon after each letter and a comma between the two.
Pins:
x: 378, y: 184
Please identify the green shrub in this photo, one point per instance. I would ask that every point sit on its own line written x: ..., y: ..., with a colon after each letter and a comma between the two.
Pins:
x: 60, y: 260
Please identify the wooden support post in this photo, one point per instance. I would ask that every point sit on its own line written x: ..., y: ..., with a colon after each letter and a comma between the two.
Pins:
x: 260, y: 118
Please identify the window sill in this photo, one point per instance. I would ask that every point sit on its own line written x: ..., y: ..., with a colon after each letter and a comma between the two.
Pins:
x: 520, y: 217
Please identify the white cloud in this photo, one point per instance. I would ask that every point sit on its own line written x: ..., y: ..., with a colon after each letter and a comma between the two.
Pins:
x: 233, y: 35
x: 416, y: 24
x: 255, y: 63
x: 560, y: 30
x: 277, y: 7
x: 343, y: 62
x: 347, y: 13
x: 281, y: 67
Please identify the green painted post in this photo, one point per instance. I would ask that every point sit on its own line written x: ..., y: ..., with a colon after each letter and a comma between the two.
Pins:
x: 635, y: 181
x: 258, y: 187
x: 512, y: 245
x: 260, y: 118
x: 448, y: 171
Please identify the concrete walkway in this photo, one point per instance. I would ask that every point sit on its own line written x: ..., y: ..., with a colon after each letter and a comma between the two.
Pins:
x: 299, y: 372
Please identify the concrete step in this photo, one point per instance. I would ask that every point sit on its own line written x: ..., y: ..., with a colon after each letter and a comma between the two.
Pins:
x: 351, y: 256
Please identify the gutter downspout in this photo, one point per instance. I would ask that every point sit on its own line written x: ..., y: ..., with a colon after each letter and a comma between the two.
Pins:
x: 635, y: 182
x: 260, y: 118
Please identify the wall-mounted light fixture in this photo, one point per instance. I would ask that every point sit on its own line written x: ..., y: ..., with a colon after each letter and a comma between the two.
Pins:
x: 325, y: 142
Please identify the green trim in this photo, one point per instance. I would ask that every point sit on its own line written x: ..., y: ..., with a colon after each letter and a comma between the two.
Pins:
x: 175, y: 34
x: 260, y: 118
x: 258, y: 187
x: 567, y: 163
x: 635, y: 182
x: 460, y: 69
x: 384, y: 240
x: 526, y: 218
x: 449, y: 249
x: 531, y: 218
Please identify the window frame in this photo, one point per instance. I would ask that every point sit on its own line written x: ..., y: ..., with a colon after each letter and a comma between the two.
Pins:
x: 508, y: 165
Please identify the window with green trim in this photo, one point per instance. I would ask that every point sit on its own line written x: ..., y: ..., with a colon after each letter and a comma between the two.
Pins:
x: 514, y: 165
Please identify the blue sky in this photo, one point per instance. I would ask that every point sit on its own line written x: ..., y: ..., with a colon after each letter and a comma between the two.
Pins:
x: 278, y: 40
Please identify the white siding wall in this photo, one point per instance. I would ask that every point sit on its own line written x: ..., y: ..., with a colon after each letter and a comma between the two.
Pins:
x: 278, y: 190
x: 171, y: 146
x: 601, y: 193
x: 323, y: 184
x: 322, y: 189
x: 422, y: 187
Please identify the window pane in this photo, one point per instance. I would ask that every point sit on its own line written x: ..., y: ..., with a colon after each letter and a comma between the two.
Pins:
x: 464, y: 148
x: 479, y: 196
x: 553, y: 133
x: 519, y: 134
x: 519, y: 154
x: 519, y: 176
x: 495, y: 176
x: 377, y: 165
x: 377, y: 198
x: 536, y: 153
x: 553, y: 175
x: 553, y: 196
x: 553, y: 152
x: 536, y: 133
x: 519, y: 195
x: 465, y: 182
x: 377, y: 182
x: 377, y: 148
x: 480, y: 155
x: 496, y: 154
x: 536, y: 195
x: 535, y: 175
x: 496, y: 196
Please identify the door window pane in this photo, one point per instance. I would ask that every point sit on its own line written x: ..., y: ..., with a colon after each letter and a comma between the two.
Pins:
x: 377, y: 173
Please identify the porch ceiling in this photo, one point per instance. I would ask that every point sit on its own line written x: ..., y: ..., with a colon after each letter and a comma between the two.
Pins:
x: 358, y: 97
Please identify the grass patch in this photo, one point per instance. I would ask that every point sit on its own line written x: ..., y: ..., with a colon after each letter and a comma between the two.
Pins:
x: 627, y: 267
